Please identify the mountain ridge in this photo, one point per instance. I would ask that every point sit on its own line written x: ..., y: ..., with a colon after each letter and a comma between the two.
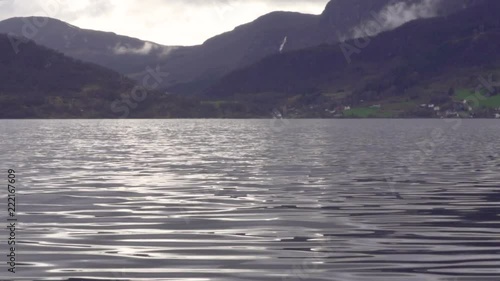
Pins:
x: 38, y: 82
x: 192, y: 69
x: 104, y: 48
x: 415, y: 60
x: 434, y: 60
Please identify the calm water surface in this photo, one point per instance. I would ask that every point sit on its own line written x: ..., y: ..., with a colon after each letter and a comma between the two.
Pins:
x: 230, y: 200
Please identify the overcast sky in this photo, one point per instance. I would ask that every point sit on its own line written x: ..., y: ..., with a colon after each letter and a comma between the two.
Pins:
x: 169, y: 22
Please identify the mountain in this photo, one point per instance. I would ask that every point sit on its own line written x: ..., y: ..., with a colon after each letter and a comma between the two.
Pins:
x: 193, y: 69
x: 200, y: 65
x: 438, y: 60
x: 131, y: 56
x: 37, y: 82
x: 120, y: 53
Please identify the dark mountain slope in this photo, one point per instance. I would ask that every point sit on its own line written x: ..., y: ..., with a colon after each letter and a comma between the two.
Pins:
x: 37, y: 82
x: 194, y: 68
x: 242, y: 46
x: 401, y: 62
x: 121, y: 53
x: 265, y: 36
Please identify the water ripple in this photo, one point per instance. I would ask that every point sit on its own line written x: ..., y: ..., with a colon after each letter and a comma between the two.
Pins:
x: 234, y: 200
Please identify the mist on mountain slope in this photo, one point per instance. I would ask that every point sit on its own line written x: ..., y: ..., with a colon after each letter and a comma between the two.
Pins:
x: 395, y: 14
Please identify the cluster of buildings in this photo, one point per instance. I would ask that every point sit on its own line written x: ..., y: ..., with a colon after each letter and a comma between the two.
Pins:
x: 456, y: 110
x: 430, y: 106
x: 339, y: 109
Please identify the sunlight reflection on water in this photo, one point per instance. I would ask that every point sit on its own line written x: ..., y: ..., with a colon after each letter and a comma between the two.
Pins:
x: 237, y: 200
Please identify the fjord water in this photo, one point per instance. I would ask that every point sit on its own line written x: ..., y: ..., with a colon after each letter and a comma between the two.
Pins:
x: 255, y: 199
